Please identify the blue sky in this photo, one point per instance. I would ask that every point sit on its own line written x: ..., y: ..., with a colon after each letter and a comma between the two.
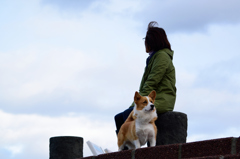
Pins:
x: 67, y: 67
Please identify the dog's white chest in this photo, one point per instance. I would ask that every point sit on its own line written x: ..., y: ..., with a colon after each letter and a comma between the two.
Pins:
x: 144, y: 132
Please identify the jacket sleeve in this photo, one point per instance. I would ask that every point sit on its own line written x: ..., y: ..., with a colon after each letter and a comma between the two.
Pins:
x: 157, y: 72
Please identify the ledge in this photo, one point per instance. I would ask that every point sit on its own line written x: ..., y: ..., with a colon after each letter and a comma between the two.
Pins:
x: 223, y: 148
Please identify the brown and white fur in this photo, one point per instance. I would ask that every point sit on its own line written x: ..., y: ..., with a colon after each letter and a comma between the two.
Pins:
x: 139, y: 127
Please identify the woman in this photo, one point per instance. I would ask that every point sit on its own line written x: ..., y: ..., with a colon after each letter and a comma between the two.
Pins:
x: 159, y: 74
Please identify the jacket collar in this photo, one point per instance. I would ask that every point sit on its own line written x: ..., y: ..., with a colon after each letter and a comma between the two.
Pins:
x: 169, y: 52
x: 150, y: 56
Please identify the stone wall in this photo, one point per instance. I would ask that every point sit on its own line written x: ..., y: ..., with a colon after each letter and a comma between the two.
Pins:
x: 224, y: 148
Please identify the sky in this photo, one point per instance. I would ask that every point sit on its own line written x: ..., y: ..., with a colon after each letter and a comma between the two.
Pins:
x: 68, y: 67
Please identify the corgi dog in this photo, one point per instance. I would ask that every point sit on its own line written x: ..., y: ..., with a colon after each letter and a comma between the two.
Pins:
x: 139, y: 128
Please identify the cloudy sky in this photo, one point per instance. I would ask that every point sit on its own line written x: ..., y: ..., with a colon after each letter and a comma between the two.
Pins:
x: 67, y: 67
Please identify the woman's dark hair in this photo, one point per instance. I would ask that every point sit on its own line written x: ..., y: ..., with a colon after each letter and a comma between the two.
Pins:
x: 156, y: 38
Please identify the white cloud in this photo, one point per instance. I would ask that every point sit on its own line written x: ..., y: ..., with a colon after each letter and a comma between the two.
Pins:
x: 190, y: 16
x: 223, y: 133
x: 14, y: 149
x: 31, y: 72
x: 200, y: 50
x: 72, y: 57
x: 128, y: 8
x: 87, y: 64
x: 206, y: 80
x: 24, y: 133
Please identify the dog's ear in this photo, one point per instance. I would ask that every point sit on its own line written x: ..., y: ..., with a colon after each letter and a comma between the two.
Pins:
x: 153, y: 95
x: 137, y: 97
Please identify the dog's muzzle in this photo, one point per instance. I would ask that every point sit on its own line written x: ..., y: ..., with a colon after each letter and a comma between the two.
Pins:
x: 152, y: 107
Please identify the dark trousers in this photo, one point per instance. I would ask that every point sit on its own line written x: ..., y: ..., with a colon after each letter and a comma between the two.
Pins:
x: 121, y: 117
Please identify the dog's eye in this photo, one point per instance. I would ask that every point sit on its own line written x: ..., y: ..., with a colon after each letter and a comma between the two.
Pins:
x: 151, y: 101
x: 145, y: 101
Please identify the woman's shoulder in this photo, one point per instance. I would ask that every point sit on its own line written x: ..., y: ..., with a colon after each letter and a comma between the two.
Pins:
x: 164, y: 53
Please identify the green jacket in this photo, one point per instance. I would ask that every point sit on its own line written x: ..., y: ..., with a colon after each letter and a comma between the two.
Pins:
x: 159, y: 75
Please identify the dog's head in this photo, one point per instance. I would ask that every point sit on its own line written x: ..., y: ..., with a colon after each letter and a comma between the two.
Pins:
x: 145, y: 103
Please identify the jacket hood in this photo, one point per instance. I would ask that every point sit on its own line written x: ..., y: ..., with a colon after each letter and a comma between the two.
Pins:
x: 169, y: 52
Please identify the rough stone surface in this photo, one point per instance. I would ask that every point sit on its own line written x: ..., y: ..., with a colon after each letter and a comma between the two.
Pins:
x: 89, y: 157
x: 162, y: 152
x: 66, y: 147
x: 172, y: 128
x: 207, y: 157
x: 207, y: 148
x: 217, y: 157
x: 232, y: 157
x: 116, y: 155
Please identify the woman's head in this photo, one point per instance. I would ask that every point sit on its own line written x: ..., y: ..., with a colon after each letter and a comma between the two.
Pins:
x: 156, y: 38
